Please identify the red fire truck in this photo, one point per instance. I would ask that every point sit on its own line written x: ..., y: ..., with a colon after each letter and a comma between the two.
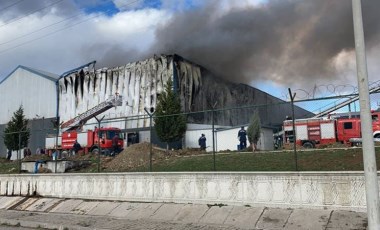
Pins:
x: 312, y: 132
x: 91, y: 140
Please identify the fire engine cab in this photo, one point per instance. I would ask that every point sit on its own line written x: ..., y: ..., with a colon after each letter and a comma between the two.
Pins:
x: 315, y: 131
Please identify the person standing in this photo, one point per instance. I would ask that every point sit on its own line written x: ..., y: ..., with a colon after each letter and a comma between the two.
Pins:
x: 28, y: 152
x: 202, y: 142
x: 76, y: 147
x: 25, y: 152
x: 115, y: 144
x: 9, y: 154
x: 242, y: 136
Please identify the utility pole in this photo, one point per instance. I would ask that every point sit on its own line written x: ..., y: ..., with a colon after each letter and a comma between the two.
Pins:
x: 369, y: 157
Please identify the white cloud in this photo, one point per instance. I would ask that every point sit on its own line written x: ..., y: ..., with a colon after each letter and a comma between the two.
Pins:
x: 79, y: 44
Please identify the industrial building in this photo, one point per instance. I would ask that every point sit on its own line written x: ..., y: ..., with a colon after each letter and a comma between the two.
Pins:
x: 139, y: 83
x: 34, y: 90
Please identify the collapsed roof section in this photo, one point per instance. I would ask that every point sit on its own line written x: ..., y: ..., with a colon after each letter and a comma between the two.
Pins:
x: 140, y: 83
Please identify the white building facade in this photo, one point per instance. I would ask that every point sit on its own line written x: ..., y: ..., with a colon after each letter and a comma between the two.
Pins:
x: 36, y: 92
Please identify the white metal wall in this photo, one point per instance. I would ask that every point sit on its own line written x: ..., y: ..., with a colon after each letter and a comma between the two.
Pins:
x: 36, y: 94
x: 227, y: 139
x: 192, y: 136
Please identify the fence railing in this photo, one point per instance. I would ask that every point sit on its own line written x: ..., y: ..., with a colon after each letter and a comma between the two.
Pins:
x: 278, y: 149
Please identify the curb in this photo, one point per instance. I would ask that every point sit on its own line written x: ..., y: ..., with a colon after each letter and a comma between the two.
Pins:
x: 41, y: 225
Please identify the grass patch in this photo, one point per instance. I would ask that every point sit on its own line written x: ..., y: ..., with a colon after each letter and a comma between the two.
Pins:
x: 8, y: 167
x: 344, y: 159
x: 350, y: 159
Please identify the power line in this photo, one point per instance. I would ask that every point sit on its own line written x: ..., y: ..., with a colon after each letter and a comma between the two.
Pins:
x: 40, y: 29
x: 17, y: 19
x: 54, y: 32
x: 11, y: 5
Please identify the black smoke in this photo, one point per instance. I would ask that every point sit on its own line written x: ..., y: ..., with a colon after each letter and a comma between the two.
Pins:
x: 282, y: 40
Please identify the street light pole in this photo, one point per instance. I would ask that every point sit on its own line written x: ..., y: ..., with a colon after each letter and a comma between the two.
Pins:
x: 369, y: 157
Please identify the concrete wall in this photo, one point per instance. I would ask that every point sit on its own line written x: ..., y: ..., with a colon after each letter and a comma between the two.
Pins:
x: 337, y: 190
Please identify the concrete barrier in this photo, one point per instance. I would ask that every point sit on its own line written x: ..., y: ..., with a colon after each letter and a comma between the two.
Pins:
x: 334, y: 190
x: 54, y: 166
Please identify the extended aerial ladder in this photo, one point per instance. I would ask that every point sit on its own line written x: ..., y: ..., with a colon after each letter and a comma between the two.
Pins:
x: 344, y: 103
x: 81, y: 119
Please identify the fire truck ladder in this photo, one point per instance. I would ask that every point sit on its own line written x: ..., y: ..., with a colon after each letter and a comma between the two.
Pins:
x: 344, y: 103
x: 81, y: 119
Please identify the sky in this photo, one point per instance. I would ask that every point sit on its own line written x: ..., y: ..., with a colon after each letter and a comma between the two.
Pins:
x: 273, y: 45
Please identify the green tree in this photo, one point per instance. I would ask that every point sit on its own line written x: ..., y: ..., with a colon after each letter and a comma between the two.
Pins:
x: 169, y: 128
x: 254, y: 130
x: 17, y: 128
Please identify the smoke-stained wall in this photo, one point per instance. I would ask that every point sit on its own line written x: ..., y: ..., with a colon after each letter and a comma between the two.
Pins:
x: 140, y: 83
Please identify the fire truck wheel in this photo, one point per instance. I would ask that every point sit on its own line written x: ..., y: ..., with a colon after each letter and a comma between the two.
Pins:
x: 95, y: 151
x: 308, y: 145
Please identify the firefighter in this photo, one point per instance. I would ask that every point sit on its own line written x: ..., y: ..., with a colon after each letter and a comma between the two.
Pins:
x: 242, y: 136
x: 202, y: 142
x: 76, y: 147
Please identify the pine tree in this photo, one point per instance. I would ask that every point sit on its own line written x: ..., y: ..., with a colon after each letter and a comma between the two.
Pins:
x: 17, y: 128
x: 254, y: 130
x: 169, y: 128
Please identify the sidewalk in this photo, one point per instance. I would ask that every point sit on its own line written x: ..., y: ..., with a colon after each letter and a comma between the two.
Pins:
x: 53, y: 213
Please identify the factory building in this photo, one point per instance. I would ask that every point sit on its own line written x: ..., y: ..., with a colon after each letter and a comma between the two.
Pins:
x: 35, y: 91
x: 139, y: 83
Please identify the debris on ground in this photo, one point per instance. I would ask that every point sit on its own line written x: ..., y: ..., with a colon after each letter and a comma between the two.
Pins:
x: 131, y: 158
x: 137, y: 156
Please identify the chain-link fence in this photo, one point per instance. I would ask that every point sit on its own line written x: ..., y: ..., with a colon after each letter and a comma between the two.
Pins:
x: 315, y: 144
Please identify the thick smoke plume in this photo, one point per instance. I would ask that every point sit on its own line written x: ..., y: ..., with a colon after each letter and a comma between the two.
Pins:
x: 282, y: 40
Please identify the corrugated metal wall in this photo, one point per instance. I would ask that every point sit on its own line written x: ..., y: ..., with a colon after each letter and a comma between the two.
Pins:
x: 138, y: 83
x: 141, y: 82
x: 36, y: 94
x: 39, y: 128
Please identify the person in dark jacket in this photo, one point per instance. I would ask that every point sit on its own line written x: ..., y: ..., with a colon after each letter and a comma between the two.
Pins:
x: 9, y: 154
x: 115, y: 144
x: 202, y: 142
x: 242, y: 135
x: 76, y: 147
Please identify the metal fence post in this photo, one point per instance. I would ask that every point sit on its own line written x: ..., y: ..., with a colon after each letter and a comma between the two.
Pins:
x: 58, y: 153
x: 150, y: 134
x: 292, y: 96
x: 369, y: 157
x: 19, y: 152
x: 213, y: 134
x: 100, y: 143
